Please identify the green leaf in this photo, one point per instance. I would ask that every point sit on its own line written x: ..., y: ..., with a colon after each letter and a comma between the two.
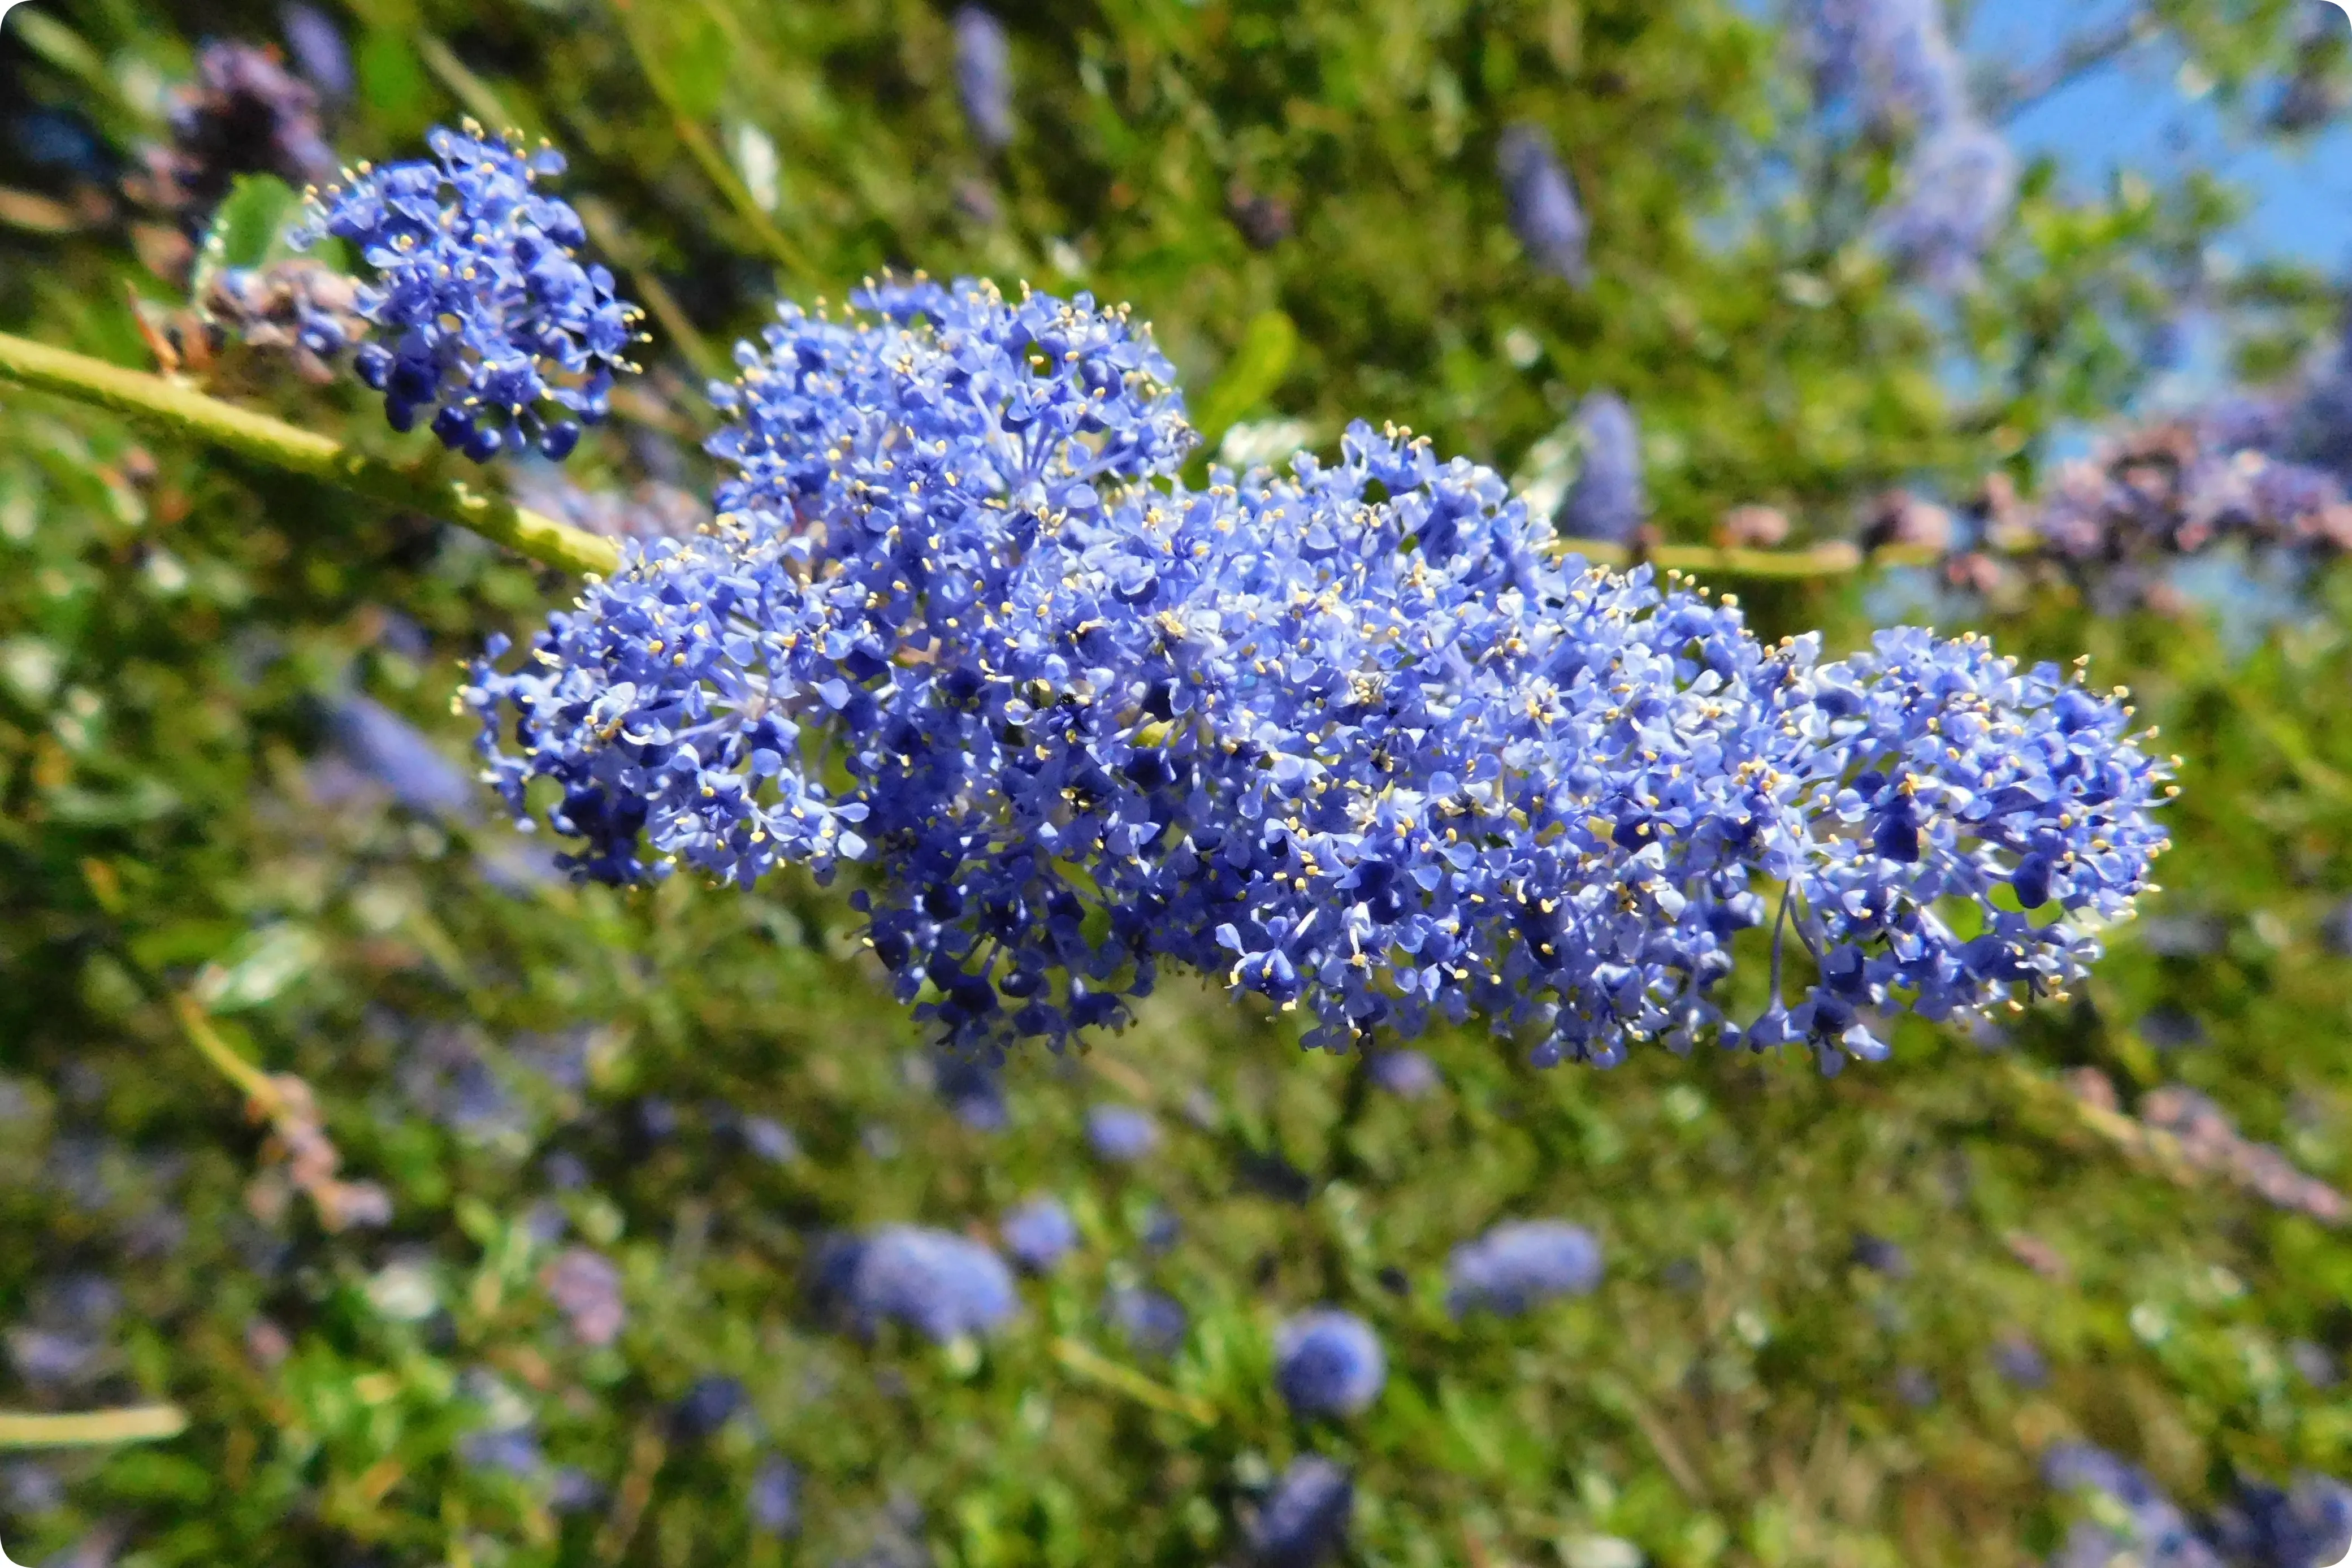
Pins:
x: 1268, y: 345
x: 249, y: 227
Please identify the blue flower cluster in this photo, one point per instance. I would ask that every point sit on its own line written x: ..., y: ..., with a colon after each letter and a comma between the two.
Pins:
x: 483, y: 314
x: 2304, y: 1526
x: 1545, y: 213
x: 983, y: 67
x: 1520, y: 1264
x: 1328, y: 1363
x: 942, y: 1285
x: 1356, y: 740
x: 1608, y: 501
x: 1303, y: 1520
x: 1039, y: 1234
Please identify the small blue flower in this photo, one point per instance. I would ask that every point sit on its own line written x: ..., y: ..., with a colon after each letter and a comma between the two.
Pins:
x: 484, y: 318
x: 2158, y: 1526
x: 1039, y: 1234
x: 319, y: 49
x: 1328, y: 1363
x: 1120, y: 1133
x: 1894, y: 56
x: 1520, y: 1263
x: 942, y: 1285
x: 1545, y: 213
x: 1302, y: 1523
x: 983, y: 63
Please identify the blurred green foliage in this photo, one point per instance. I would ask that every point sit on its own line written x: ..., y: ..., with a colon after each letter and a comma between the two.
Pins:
x: 502, y: 1051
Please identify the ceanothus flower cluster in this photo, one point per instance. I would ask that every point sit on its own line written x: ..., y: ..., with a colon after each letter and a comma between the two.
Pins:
x: 484, y: 316
x: 1355, y: 740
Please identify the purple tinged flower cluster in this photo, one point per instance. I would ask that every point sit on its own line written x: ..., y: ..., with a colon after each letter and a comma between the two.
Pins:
x: 1357, y: 738
x: 1957, y: 189
x: 942, y: 1285
x: 484, y: 317
x: 983, y: 68
x: 243, y: 113
x: 1120, y: 1133
x: 2154, y: 1525
x: 1328, y: 1363
x: 585, y: 1287
x: 1519, y: 1264
x: 1893, y: 57
x: 1607, y: 503
x: 1545, y: 213
x: 1894, y: 62
x: 1303, y: 1520
x: 320, y: 52
x: 2272, y: 1527
x: 1039, y: 1234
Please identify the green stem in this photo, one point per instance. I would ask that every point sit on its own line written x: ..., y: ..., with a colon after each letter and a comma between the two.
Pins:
x: 262, y: 439
x: 1832, y: 559
x: 94, y: 1428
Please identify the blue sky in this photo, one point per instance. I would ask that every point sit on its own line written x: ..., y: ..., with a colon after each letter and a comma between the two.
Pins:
x: 2139, y: 111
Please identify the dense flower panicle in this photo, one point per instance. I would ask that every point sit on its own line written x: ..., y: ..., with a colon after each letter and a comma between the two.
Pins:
x: 1121, y: 1133
x: 942, y: 1285
x: 1304, y: 1519
x: 243, y: 113
x: 1607, y: 503
x: 396, y: 754
x: 983, y: 64
x: 484, y: 316
x: 1356, y: 739
x: 1328, y: 1363
x: 1520, y: 1264
x: 1545, y: 213
x: 1957, y: 192
x: 1039, y: 1234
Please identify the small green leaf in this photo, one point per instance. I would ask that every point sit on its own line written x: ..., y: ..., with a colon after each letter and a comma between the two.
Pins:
x: 249, y: 227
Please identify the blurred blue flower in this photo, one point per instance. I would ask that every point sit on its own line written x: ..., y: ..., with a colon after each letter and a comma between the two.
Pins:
x: 983, y: 63
x: 971, y: 1090
x: 706, y: 1407
x: 1302, y: 1523
x: 1328, y: 1363
x: 770, y: 1139
x: 1957, y: 192
x: 483, y: 315
x: 1607, y: 501
x: 1408, y: 1074
x: 585, y: 1287
x: 1520, y: 1263
x: 396, y: 754
x: 1881, y: 1256
x: 1545, y: 213
x: 2158, y: 1526
x: 775, y: 1497
x: 2020, y: 1360
x: 2309, y: 1525
x: 1151, y: 1321
x: 1120, y: 1132
x: 942, y: 1285
x: 1039, y: 1233
x: 319, y: 53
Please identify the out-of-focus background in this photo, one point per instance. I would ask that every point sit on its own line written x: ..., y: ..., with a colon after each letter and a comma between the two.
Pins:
x: 2023, y: 317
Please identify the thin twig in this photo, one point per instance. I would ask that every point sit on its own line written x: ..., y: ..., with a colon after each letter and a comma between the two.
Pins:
x: 91, y: 1428
x: 706, y: 151
x: 282, y: 445
x: 1091, y: 1364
